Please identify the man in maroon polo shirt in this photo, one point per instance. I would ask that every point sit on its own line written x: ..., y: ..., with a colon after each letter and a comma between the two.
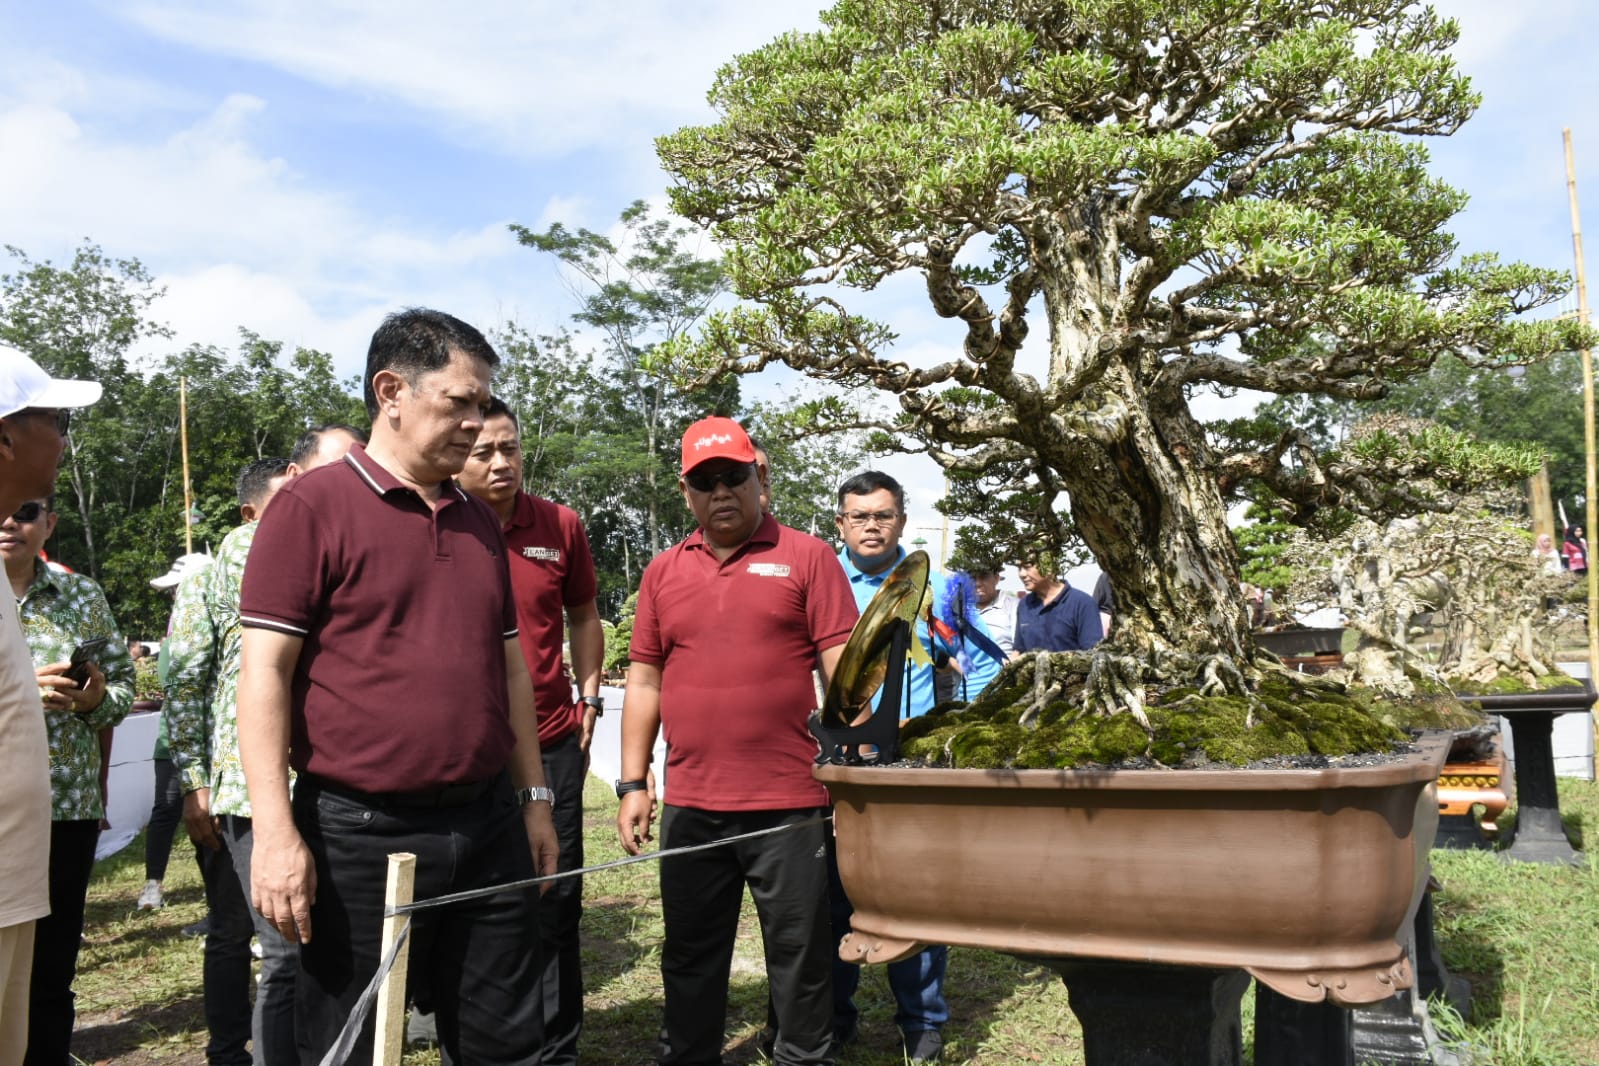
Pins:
x: 730, y: 624
x: 551, y: 572
x: 381, y: 663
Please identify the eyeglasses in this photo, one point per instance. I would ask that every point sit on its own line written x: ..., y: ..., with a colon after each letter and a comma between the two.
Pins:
x: 857, y: 519
x: 61, y: 415
x: 732, y: 477
x: 28, y: 512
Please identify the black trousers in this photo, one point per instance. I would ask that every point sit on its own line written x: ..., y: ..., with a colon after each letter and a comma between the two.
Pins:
x: 479, y: 959
x: 561, y: 908
x: 701, y: 895
x: 165, y: 814
x: 226, y: 969
x: 55, y: 943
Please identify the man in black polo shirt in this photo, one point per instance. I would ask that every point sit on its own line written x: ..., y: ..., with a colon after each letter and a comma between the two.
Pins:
x: 381, y: 663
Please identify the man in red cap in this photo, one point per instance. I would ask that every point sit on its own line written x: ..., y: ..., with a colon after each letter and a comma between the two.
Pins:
x: 730, y: 624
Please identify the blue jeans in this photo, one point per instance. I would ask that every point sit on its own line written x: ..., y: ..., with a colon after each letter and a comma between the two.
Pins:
x: 917, y: 982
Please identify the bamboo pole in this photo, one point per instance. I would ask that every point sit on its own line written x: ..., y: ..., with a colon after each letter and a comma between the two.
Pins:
x: 1592, y: 518
x: 389, y: 1042
x: 188, y: 491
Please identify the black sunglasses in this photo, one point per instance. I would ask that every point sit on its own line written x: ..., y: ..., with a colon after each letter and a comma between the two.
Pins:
x: 61, y: 415
x: 28, y: 512
x: 732, y: 477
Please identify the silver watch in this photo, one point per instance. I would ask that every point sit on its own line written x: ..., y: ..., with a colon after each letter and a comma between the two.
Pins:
x: 524, y: 796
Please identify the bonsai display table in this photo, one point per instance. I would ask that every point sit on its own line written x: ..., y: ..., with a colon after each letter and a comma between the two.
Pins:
x: 1539, y: 835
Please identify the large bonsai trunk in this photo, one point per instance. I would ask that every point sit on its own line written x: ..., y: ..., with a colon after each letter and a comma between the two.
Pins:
x: 1134, y: 461
x: 1160, y: 532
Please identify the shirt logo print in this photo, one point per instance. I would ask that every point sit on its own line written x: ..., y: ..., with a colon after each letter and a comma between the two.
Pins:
x: 770, y: 569
x: 548, y: 555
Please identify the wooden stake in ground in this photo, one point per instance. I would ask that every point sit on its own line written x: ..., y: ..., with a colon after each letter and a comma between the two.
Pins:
x: 390, y: 1038
x: 1592, y: 517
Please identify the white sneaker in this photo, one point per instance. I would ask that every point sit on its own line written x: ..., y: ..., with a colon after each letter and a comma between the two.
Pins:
x: 150, y: 898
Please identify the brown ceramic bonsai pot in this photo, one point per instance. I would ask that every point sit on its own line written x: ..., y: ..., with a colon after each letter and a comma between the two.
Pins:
x: 1307, y: 879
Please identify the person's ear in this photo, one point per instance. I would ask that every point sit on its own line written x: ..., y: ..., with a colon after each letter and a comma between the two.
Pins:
x: 8, y: 451
x: 248, y: 512
x: 387, y: 387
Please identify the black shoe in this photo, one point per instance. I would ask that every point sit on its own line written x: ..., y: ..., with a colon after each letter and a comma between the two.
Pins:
x: 925, y: 1045
x: 844, y: 1033
x: 766, y: 1041
x: 198, y: 929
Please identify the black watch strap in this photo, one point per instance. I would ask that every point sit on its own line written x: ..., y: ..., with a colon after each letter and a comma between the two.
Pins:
x: 593, y: 701
x: 624, y: 787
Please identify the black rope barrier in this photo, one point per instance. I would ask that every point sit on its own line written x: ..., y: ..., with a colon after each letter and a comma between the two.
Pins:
x: 494, y: 890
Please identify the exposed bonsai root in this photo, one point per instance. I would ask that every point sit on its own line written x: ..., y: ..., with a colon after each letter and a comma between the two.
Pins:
x: 1053, y: 674
x: 1116, y: 685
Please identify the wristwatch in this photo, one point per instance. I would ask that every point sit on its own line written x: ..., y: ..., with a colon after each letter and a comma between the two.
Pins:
x: 524, y: 796
x: 593, y: 701
x: 624, y: 787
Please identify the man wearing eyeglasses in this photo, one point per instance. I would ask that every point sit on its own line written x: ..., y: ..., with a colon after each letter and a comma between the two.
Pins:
x: 34, y: 416
x: 730, y: 624
x: 871, y: 521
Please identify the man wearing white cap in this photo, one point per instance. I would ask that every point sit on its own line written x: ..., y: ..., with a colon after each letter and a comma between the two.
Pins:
x: 33, y: 428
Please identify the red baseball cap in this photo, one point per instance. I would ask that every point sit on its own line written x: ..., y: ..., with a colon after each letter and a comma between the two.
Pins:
x: 716, y: 438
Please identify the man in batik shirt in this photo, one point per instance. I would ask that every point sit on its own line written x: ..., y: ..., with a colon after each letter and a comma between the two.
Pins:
x: 201, y: 691
x: 60, y: 610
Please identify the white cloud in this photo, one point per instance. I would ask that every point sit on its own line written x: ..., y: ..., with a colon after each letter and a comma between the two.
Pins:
x: 539, y: 79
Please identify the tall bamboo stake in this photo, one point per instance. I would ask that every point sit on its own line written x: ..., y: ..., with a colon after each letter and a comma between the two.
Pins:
x: 183, y: 440
x: 1592, y: 518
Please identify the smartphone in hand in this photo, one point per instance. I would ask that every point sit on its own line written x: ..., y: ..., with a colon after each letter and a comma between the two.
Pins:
x: 84, y: 654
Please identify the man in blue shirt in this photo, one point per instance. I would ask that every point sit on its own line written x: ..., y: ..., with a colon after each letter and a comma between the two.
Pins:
x: 1053, y: 616
x: 871, y: 520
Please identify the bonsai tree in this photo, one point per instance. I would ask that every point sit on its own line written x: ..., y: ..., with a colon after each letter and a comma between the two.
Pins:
x: 1474, y: 568
x: 1161, y: 197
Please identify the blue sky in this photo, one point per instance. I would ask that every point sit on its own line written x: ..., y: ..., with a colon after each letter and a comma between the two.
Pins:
x: 301, y: 167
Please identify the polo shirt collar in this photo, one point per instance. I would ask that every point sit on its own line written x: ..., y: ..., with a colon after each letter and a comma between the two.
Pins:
x: 523, y: 514
x: 856, y: 574
x: 377, y: 477
x: 1039, y: 602
x: 765, y: 533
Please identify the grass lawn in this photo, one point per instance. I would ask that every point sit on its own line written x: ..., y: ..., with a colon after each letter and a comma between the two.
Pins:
x: 1526, y: 936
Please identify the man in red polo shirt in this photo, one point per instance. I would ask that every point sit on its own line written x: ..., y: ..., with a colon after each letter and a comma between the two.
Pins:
x: 730, y: 624
x: 551, y: 571
x: 381, y: 662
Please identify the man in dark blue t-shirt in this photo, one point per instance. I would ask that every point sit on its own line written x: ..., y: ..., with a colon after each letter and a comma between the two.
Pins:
x: 1053, y: 616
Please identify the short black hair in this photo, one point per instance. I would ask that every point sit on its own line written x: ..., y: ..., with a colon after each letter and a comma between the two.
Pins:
x: 417, y: 341
x: 256, y: 476
x: 497, y: 407
x: 307, y: 445
x: 868, y: 482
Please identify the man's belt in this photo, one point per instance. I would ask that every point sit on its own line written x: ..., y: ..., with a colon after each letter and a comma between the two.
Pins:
x: 444, y: 796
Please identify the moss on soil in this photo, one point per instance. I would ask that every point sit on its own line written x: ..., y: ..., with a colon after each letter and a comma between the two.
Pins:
x: 1515, y: 686
x: 1186, y: 730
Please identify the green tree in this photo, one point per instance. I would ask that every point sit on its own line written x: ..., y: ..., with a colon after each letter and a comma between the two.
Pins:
x: 1183, y: 194
x: 121, y: 490
x: 80, y: 322
x: 601, y: 429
